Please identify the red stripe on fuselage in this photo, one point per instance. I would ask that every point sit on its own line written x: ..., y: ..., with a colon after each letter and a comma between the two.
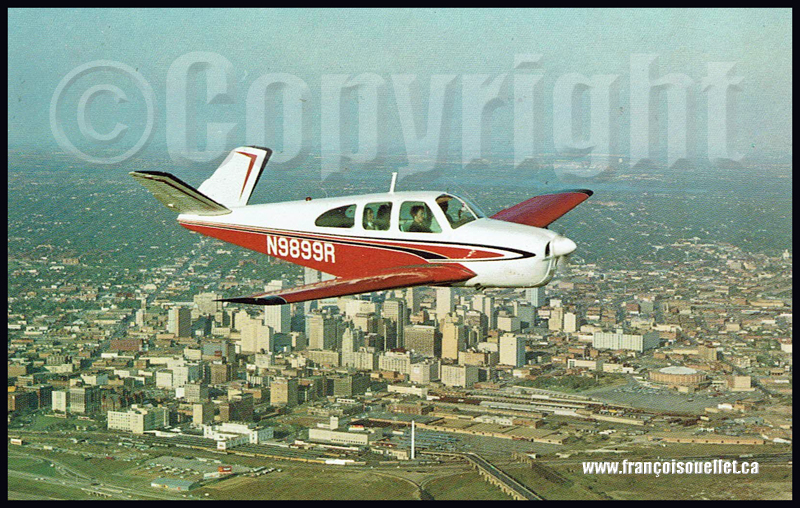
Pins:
x: 345, y: 261
x: 249, y: 169
x: 449, y: 252
x: 352, y: 254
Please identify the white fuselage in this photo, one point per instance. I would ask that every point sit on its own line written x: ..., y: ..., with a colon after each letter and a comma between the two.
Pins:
x: 501, y: 254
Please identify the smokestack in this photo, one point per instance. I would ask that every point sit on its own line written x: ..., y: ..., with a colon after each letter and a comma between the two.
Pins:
x: 413, y: 431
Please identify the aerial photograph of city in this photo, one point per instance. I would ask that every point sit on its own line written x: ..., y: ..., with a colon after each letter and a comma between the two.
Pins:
x: 399, y: 254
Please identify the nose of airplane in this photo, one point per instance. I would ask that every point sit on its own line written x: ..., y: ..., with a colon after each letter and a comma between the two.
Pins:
x: 562, y: 246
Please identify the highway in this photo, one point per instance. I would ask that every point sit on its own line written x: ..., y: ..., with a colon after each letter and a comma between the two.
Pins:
x: 72, y: 478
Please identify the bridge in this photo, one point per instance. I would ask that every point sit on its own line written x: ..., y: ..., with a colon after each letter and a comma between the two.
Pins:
x: 495, y: 476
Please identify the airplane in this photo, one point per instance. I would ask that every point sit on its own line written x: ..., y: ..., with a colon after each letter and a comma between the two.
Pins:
x: 372, y: 242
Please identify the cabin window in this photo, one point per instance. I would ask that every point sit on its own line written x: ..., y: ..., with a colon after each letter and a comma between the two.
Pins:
x: 341, y: 217
x: 416, y: 217
x: 376, y: 216
x: 456, y: 210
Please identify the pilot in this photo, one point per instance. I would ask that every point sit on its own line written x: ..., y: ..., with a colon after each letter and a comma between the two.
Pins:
x: 420, y: 224
x: 382, y: 221
x: 369, y: 219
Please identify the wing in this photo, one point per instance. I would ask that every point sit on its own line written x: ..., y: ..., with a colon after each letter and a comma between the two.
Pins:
x: 543, y: 210
x: 406, y: 276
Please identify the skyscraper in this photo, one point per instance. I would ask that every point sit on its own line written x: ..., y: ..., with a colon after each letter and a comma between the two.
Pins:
x: 206, y: 304
x: 256, y: 336
x: 444, y: 302
x: 179, y: 321
x: 283, y: 392
x: 570, y: 322
x: 556, y: 321
x: 83, y: 399
x: 413, y: 299
x: 454, y: 337
x: 424, y: 340
x: 321, y: 331
x: 512, y: 350
x: 352, y: 340
x: 395, y: 309
x: 279, y: 317
x: 485, y: 304
x: 535, y: 296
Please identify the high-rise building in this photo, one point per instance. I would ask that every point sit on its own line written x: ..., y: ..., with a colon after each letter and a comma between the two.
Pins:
x: 367, y: 322
x: 164, y: 379
x: 84, y: 399
x: 256, y: 336
x: 395, y: 362
x: 220, y: 373
x: 349, y: 385
x: 570, y: 322
x: 283, y: 392
x: 424, y: 340
x: 413, y: 299
x: 195, y: 392
x: 707, y: 351
x: 535, y: 296
x: 278, y: 317
x: 386, y: 336
x: 478, y: 358
x: 556, y: 321
x: 238, y: 408
x: 311, y: 276
x: 395, y: 310
x: 424, y: 372
x: 139, y: 318
x: 526, y: 313
x: 507, y: 323
x: 454, y: 339
x: 60, y: 401
x: 322, y: 331
x: 459, y: 375
x: 138, y: 419
x: 202, y: 413
x: 206, y: 304
x: 352, y: 341
x: 444, y: 302
x: 512, y: 350
x: 364, y: 360
x: 485, y: 304
x: 179, y: 321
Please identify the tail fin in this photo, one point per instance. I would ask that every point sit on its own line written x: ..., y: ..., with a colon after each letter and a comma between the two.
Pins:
x: 234, y: 180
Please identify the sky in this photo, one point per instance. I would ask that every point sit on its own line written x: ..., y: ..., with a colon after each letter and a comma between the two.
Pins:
x: 46, y: 45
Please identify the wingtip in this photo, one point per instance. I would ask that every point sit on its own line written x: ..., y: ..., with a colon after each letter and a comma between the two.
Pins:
x: 255, y: 300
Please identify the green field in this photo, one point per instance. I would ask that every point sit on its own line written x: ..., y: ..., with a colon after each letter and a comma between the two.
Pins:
x: 312, y: 482
x: 38, y: 490
x: 31, y: 465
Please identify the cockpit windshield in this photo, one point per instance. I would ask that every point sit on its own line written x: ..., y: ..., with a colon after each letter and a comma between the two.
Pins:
x: 457, y: 211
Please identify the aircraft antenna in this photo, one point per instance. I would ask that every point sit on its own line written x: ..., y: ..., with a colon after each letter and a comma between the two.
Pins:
x: 394, y: 181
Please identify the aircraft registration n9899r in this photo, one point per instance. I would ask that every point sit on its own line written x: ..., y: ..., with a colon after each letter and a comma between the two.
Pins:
x: 372, y: 242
